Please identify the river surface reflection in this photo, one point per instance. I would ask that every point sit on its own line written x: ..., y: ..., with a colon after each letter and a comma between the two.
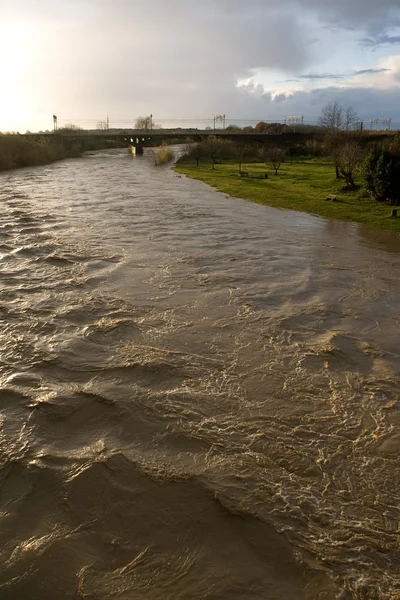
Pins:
x: 199, y: 395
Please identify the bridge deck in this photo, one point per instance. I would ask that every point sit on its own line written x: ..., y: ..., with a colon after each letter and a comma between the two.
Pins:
x: 160, y: 134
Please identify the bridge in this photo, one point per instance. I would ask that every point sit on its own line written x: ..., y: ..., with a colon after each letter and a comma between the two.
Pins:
x: 139, y: 137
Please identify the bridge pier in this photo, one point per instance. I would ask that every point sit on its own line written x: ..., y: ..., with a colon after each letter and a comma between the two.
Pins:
x: 135, y: 145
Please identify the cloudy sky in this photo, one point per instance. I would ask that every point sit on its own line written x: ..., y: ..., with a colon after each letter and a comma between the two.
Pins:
x: 191, y: 59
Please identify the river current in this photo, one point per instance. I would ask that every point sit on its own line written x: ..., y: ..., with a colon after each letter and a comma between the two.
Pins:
x: 199, y: 395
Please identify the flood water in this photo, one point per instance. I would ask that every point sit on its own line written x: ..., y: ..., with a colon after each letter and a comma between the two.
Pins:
x: 199, y: 395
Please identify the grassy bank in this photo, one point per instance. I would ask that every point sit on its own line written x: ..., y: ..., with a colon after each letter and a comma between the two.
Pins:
x: 17, y: 151
x: 302, y: 186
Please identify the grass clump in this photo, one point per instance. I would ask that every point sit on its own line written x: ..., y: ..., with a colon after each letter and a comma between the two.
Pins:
x: 163, y: 155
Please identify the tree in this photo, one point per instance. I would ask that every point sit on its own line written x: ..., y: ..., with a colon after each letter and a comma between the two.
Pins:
x: 196, y: 151
x: 240, y: 150
x: 69, y: 129
x: 349, y: 158
x: 141, y: 123
x: 335, y: 118
x: 381, y: 175
x: 215, y: 148
x: 351, y: 120
x: 146, y: 123
x: 72, y: 127
x: 275, y: 155
x: 331, y: 117
x: 334, y: 144
x: 233, y: 128
x: 333, y: 141
x: 312, y: 147
x: 394, y: 145
x: 368, y: 170
x: 262, y: 127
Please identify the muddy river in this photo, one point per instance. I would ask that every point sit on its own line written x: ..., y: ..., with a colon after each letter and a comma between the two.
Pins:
x: 199, y: 395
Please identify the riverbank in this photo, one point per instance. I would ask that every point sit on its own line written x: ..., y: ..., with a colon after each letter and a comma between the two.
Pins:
x: 17, y: 151
x: 302, y: 186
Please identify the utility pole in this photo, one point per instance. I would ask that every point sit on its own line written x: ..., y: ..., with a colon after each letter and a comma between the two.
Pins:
x: 108, y: 124
x: 55, y: 126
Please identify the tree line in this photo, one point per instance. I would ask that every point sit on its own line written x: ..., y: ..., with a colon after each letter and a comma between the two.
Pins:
x: 341, y: 141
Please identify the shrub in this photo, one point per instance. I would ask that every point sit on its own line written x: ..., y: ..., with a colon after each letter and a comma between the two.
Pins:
x: 381, y: 175
x: 195, y: 151
x: 163, y: 155
x: 25, y: 151
x: 363, y: 194
x: 16, y: 151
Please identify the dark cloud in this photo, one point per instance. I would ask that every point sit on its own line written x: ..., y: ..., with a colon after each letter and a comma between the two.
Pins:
x: 316, y: 76
x: 368, y: 103
x: 374, y: 16
x: 280, y: 98
x: 367, y: 71
x: 381, y: 40
x: 313, y: 76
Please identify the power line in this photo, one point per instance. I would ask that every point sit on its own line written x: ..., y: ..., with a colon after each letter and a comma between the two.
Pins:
x: 121, y: 121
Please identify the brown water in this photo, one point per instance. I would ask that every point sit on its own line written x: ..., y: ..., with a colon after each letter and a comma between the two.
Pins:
x: 199, y: 396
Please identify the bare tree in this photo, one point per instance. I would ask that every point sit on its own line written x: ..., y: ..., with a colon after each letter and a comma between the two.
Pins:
x: 338, y: 123
x: 214, y: 148
x: 349, y: 158
x: 196, y: 151
x: 333, y: 140
x: 335, y: 118
x: 275, y: 155
x: 102, y: 125
x: 331, y: 117
x: 146, y: 123
x: 141, y: 123
x: 239, y: 150
x: 351, y: 120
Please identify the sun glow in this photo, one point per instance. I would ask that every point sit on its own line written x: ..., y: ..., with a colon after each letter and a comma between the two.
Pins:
x: 15, y: 105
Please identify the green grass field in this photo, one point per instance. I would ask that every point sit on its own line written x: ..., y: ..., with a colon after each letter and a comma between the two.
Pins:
x: 302, y: 186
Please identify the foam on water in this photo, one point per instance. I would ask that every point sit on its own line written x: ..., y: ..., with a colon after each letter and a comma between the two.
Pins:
x: 200, y: 396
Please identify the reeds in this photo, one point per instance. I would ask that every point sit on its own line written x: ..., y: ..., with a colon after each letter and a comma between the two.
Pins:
x: 17, y: 151
x: 25, y: 151
x: 163, y: 155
